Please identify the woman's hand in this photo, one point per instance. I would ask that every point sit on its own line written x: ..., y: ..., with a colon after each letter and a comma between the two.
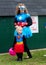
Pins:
x: 22, y: 24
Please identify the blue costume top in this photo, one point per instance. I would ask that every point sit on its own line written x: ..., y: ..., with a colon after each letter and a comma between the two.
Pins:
x: 23, y: 17
x: 19, y: 39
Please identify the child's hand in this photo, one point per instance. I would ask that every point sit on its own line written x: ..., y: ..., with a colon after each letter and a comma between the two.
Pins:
x: 16, y: 26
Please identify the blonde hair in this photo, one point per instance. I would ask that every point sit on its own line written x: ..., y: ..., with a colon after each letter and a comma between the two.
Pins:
x: 18, y: 10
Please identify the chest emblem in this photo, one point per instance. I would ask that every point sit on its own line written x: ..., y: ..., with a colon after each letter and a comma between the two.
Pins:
x: 18, y: 37
x: 20, y: 18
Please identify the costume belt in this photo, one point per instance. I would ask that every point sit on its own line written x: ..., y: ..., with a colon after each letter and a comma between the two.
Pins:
x: 19, y: 43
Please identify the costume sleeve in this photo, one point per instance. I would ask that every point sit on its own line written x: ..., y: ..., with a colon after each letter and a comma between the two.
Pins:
x: 15, y: 20
x: 14, y: 42
x: 29, y: 20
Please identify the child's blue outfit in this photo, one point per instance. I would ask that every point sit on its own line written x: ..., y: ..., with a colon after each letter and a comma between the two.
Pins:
x: 19, y: 45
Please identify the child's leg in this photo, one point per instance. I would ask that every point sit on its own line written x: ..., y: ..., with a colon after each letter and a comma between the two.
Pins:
x: 19, y: 55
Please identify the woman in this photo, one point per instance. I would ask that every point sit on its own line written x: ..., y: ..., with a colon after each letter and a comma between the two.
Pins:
x: 24, y: 20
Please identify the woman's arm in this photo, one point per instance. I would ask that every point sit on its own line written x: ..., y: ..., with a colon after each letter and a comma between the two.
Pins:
x: 15, y: 21
x: 29, y: 21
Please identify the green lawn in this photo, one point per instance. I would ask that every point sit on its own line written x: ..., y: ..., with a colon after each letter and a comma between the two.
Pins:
x: 37, y: 59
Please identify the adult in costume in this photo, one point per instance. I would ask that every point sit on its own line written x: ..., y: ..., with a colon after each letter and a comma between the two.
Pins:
x: 24, y: 20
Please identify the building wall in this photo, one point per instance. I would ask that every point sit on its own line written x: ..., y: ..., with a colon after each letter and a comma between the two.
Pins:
x: 38, y: 40
x: 6, y: 33
x: 35, y: 7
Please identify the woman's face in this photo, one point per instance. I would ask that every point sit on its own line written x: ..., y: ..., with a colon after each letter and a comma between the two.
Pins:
x: 21, y: 11
x: 22, y: 8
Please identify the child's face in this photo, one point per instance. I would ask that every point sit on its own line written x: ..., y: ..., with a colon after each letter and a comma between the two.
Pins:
x: 19, y: 29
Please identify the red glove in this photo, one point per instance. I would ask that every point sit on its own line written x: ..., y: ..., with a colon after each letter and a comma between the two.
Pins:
x: 25, y: 23
x: 21, y: 24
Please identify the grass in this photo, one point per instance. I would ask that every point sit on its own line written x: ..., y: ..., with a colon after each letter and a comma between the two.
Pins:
x: 37, y: 59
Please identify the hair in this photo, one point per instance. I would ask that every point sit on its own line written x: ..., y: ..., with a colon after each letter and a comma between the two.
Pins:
x: 18, y: 10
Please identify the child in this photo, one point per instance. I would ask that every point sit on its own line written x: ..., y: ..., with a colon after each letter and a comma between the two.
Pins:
x: 18, y: 45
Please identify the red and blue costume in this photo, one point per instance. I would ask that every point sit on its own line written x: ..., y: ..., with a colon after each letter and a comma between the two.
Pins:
x: 19, y: 45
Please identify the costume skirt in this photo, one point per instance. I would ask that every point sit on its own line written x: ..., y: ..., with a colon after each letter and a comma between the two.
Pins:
x: 19, y: 47
x: 27, y: 32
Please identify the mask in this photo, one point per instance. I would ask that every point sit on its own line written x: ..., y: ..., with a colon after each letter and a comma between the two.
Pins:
x: 22, y: 7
